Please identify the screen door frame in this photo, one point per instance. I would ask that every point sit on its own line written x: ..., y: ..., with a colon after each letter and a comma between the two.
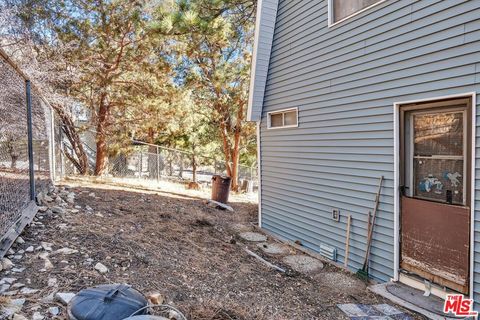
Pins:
x: 397, y: 174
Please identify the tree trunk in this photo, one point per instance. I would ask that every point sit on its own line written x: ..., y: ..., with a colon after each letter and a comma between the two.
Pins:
x: 102, y: 152
x: 79, y: 157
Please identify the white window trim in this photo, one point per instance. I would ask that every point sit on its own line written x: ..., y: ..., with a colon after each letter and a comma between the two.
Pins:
x: 331, y: 23
x: 269, y: 125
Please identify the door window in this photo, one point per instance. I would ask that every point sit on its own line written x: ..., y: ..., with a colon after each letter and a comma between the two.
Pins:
x: 438, y: 164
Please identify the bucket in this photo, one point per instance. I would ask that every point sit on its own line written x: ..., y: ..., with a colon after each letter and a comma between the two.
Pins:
x: 220, y: 188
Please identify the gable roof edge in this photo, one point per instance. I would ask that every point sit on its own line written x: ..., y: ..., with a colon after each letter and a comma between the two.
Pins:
x: 264, y: 31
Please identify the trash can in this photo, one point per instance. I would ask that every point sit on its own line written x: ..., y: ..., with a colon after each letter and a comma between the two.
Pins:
x: 220, y: 188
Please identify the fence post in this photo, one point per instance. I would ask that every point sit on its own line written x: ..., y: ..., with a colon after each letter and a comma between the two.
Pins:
x: 30, y: 139
x: 158, y: 164
x: 140, y: 165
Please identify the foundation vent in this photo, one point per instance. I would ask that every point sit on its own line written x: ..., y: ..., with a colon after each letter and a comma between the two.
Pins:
x: 328, y: 252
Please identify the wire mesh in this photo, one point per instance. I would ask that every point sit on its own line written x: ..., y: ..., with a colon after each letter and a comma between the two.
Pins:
x: 174, y: 165
x: 14, y: 158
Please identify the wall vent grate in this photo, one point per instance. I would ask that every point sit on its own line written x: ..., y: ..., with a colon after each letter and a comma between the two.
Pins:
x: 328, y: 252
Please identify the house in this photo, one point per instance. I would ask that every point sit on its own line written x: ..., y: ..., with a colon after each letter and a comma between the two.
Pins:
x: 347, y: 91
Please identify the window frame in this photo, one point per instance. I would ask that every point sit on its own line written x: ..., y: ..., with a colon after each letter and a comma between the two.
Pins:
x: 332, y: 23
x: 282, y: 111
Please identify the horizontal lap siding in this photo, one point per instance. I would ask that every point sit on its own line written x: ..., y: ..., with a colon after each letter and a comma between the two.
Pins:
x: 345, y: 80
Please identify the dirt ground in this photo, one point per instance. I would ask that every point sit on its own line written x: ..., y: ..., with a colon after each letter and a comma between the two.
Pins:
x: 180, y: 247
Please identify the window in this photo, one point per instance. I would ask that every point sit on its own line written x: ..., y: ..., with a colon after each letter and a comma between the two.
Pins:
x: 283, y: 119
x: 340, y: 10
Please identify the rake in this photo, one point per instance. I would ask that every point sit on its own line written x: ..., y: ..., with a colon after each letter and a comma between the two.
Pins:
x: 363, y: 273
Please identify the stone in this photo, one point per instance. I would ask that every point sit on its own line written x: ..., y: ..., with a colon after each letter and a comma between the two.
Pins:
x: 28, y: 291
x: 66, y: 251
x: 42, y: 209
x: 11, y: 307
x: 18, y: 270
x: 47, y: 246
x: 64, y: 297
x: 18, y: 285
x: 58, y: 210
x: 8, y: 280
x: 303, y: 263
x: 253, y: 236
x: 20, y: 240
x: 48, y: 264
x: 74, y: 211
x: 30, y: 249
x: 101, y: 268
x: 47, y: 299
x: 54, y: 311
x: 19, y: 317
x: 88, y: 208
x: 4, y: 288
x: 47, y: 198
x: 91, y: 194
x: 219, y: 205
x: 155, y: 298
x: 7, y: 264
x: 17, y: 257
x: 78, y: 207
x: 37, y: 316
x: 273, y: 248
x: 52, y: 282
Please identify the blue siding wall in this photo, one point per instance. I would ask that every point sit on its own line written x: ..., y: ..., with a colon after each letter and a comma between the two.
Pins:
x: 345, y: 80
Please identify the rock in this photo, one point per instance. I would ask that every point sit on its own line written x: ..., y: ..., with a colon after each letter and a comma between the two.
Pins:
x: 30, y: 249
x: 219, y: 205
x: 47, y: 198
x: 47, y: 299
x: 4, y: 288
x: 11, y: 307
x: 7, y: 264
x: 18, y: 285
x: 66, y: 251
x: 48, y: 264
x: 20, y: 240
x: 88, y: 208
x: 18, y: 270
x: 54, y: 311
x: 58, y: 210
x: 78, y: 207
x: 52, y: 282
x: 42, y: 209
x: 10, y: 293
x: 10, y: 251
x: 64, y: 297
x: 74, y: 211
x: 155, y: 298
x: 18, y: 317
x: 91, y: 194
x: 37, y: 316
x: 28, y: 291
x: 47, y: 246
x: 17, y: 257
x: 8, y: 280
x: 101, y: 268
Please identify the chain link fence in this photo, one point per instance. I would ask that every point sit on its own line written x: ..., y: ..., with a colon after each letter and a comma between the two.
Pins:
x: 26, y: 149
x: 176, y: 166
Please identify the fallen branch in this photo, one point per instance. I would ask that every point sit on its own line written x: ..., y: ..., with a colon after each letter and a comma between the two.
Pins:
x: 253, y: 254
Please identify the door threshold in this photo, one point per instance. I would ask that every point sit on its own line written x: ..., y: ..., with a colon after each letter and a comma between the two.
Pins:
x: 420, y: 284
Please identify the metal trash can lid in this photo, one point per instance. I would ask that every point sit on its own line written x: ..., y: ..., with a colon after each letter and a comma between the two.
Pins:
x: 106, y: 302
